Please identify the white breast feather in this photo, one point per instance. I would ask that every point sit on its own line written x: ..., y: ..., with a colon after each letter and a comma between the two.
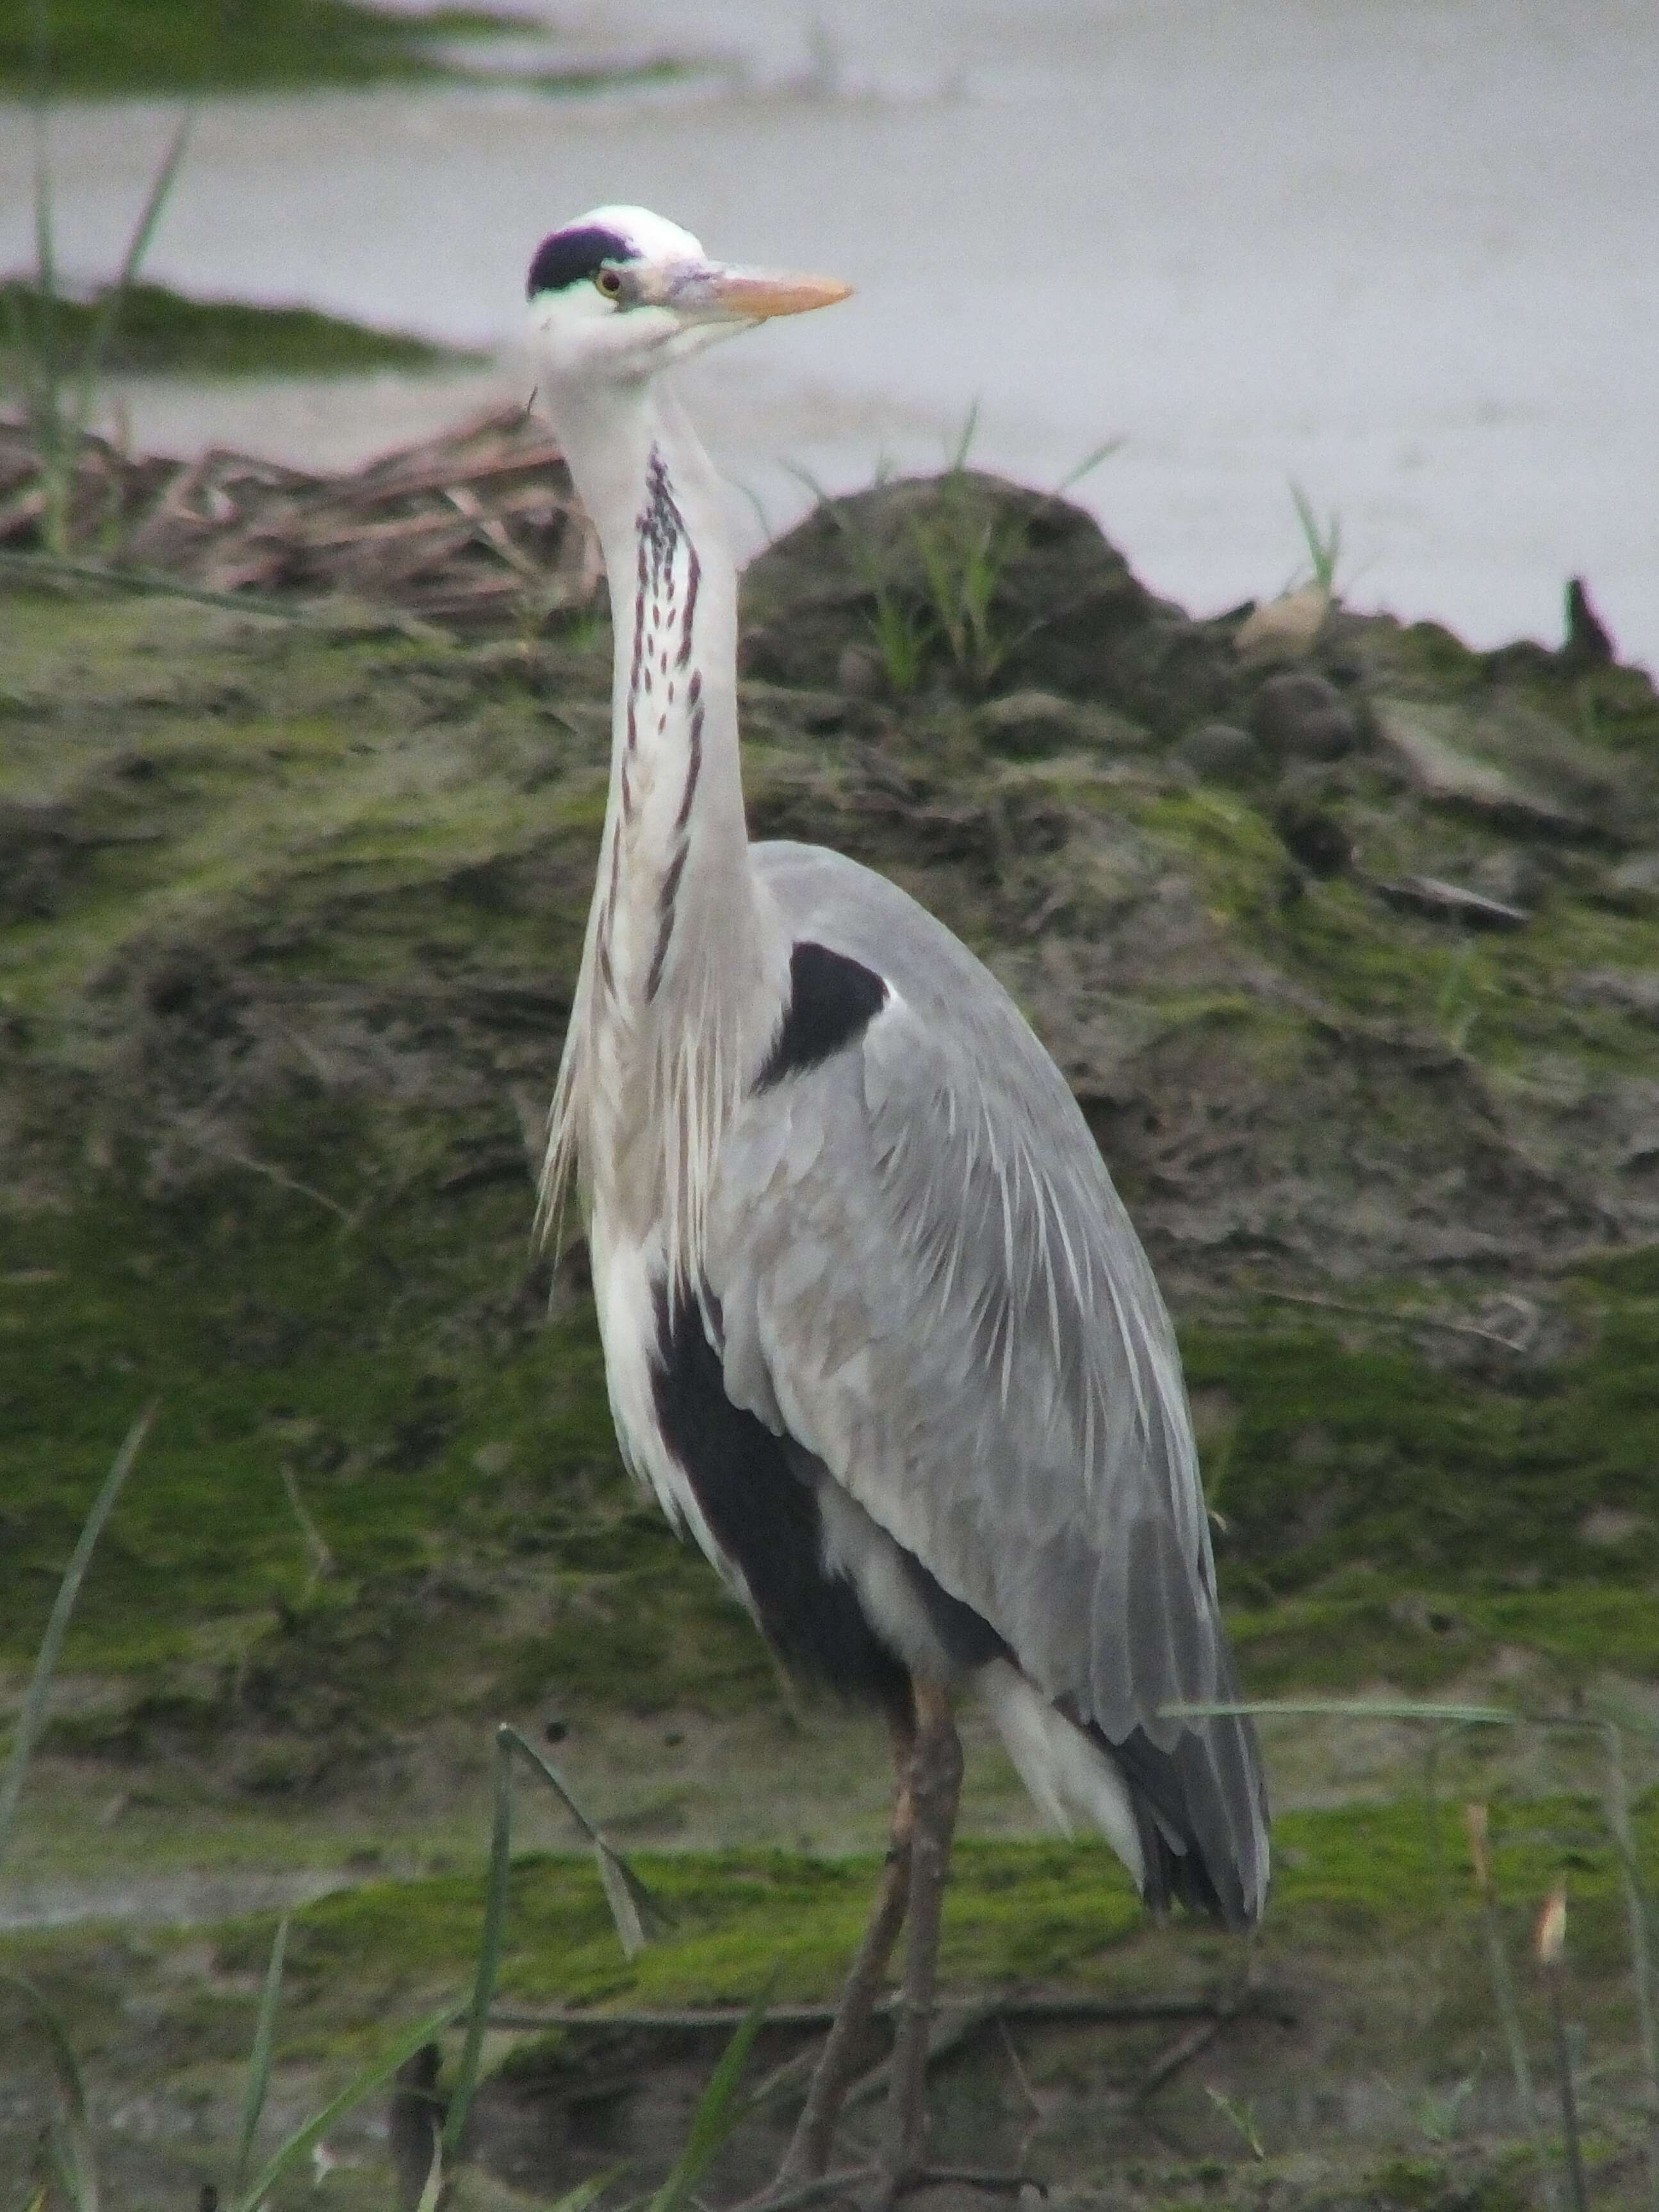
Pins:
x: 624, y: 1275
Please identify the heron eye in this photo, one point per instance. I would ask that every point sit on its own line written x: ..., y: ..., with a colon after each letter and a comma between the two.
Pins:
x: 610, y: 283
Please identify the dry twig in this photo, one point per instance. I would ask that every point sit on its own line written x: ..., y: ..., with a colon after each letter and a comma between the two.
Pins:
x: 453, y: 531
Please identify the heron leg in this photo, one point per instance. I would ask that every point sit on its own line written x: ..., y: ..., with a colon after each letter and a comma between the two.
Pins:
x: 935, y: 1787
x: 808, y: 2155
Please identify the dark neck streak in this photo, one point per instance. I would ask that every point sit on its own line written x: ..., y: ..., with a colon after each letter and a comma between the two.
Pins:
x: 668, y: 577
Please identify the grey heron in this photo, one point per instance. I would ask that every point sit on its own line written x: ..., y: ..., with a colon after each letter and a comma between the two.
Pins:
x: 877, y: 1330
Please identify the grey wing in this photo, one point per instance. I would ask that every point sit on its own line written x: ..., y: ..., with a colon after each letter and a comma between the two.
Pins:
x: 924, y: 1274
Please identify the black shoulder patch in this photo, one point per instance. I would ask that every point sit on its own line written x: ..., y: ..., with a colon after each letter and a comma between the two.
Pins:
x: 832, y: 1000
x: 568, y: 257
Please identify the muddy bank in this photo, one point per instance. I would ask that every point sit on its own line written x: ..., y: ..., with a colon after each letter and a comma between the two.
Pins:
x: 1344, y: 935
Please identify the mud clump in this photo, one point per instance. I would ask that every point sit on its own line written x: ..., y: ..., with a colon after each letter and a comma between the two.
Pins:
x: 977, y: 585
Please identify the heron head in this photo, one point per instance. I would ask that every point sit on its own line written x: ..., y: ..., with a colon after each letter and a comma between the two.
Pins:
x: 621, y: 293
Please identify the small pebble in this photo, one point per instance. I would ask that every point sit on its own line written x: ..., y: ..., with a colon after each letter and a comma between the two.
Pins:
x: 857, y: 674
x: 1219, y: 752
x: 1300, y: 716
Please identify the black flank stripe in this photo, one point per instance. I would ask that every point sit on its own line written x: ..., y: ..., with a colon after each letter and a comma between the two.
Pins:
x: 764, y: 1517
x: 832, y: 1001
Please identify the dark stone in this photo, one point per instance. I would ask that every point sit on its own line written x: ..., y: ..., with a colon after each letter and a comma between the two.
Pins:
x: 1314, y: 836
x: 1220, y: 752
x: 1300, y: 716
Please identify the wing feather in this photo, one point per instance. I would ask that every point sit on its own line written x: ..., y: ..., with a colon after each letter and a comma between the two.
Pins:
x: 925, y: 1274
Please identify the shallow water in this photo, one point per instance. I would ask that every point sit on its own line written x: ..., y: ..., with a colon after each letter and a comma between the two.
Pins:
x: 1398, y: 251
x: 181, y: 1900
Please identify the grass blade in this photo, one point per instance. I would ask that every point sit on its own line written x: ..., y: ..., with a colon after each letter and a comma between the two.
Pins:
x: 635, y: 1912
x: 77, y: 2170
x: 1323, y: 542
x: 41, y: 374
x: 114, y: 299
x: 432, y: 2190
x: 1549, y: 1948
x: 1088, y: 465
x: 720, y: 2111
x: 625, y: 1915
x: 579, y: 2198
x: 374, y: 2076
x: 489, y: 1948
x: 964, y: 446
x: 1507, y: 2002
x: 320, y: 1560
x: 1360, y: 1708
x: 1639, y: 1933
x: 31, y: 1718
x: 258, y: 2063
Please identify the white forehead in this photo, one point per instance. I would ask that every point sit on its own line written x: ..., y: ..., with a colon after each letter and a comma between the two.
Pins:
x: 652, y: 236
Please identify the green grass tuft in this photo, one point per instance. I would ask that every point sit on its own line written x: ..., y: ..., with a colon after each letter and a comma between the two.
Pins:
x: 127, y: 47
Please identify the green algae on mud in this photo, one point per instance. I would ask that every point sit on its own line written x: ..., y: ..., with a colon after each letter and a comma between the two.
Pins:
x: 87, y: 48
x: 1360, y: 1889
x: 1339, y: 1451
x: 1045, y: 1913
x: 161, y: 332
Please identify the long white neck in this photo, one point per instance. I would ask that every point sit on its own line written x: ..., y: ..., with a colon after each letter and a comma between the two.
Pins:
x: 684, y: 967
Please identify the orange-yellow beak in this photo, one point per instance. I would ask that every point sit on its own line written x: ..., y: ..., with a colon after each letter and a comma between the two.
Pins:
x: 710, y: 292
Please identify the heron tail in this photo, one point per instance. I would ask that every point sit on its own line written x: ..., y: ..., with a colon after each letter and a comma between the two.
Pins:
x: 1190, y: 1822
